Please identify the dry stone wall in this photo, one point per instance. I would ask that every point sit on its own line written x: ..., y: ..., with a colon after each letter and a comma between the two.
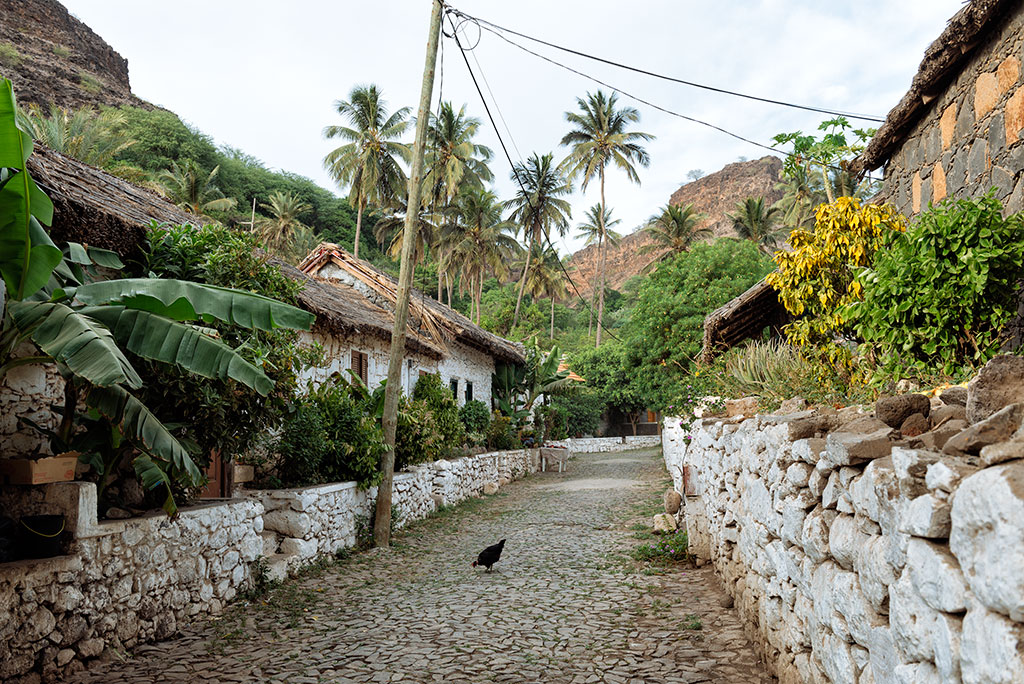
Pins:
x: 858, y: 555
x: 971, y: 139
x: 28, y: 392
x: 595, y: 445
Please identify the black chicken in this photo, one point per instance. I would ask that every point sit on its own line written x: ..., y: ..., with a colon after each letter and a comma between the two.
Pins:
x: 490, y: 555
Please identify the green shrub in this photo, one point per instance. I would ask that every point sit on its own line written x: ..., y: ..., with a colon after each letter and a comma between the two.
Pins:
x: 445, y: 410
x: 551, y: 421
x: 89, y: 83
x: 61, y: 51
x: 501, y: 434
x: 771, y: 368
x: 303, y: 446
x: 417, y: 439
x: 9, y: 55
x: 673, y: 548
x: 582, y: 412
x: 938, y: 295
x: 475, y: 416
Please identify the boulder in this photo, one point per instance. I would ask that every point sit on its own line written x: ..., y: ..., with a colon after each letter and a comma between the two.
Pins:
x: 664, y: 523
x: 994, y: 454
x: 954, y: 396
x: 915, y: 424
x: 894, y: 410
x: 987, y: 536
x: 811, y: 426
x: 861, y: 424
x: 673, y: 501
x: 792, y: 406
x: 997, y: 427
x: 745, y: 407
x: 999, y: 384
x: 990, y: 648
x: 935, y: 574
x: 845, y: 448
x: 947, y: 412
x: 937, y: 437
x: 926, y: 516
x: 490, y: 488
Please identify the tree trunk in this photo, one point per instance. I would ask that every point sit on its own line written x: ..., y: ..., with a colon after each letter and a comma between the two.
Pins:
x: 600, y: 277
x: 552, y: 319
x: 440, y: 275
x: 359, y: 225
x: 479, y: 295
x: 450, y: 283
x: 522, y: 281
x: 828, y: 185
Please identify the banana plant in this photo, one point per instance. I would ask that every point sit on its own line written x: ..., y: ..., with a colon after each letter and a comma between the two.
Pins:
x: 88, y: 326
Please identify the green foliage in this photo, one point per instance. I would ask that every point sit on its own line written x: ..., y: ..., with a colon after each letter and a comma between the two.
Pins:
x: 666, y: 329
x: 673, y: 548
x: 938, y: 295
x: 771, y: 368
x: 89, y: 83
x: 583, y: 410
x: 550, y: 422
x: 444, y: 409
x: 83, y: 134
x: 161, y: 138
x: 609, y: 372
x: 330, y: 437
x: 9, y: 55
x: 61, y: 51
x: 417, y: 438
x: 501, y: 433
x: 475, y: 416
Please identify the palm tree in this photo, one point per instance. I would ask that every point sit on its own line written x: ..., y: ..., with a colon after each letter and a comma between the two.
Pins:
x: 368, y: 163
x: 453, y: 161
x: 597, y: 230
x: 800, y: 196
x: 88, y: 136
x: 545, y: 279
x: 478, y: 241
x: 753, y: 221
x: 538, y: 206
x: 390, y: 234
x: 600, y: 138
x: 279, y: 229
x: 675, y: 229
x: 185, y: 185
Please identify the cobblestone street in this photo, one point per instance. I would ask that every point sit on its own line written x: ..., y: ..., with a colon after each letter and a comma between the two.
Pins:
x: 564, y: 604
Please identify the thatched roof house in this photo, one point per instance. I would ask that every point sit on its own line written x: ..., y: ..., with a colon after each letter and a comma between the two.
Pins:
x: 742, y: 318
x: 954, y: 132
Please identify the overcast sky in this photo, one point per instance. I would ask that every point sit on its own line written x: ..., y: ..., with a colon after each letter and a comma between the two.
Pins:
x: 262, y: 76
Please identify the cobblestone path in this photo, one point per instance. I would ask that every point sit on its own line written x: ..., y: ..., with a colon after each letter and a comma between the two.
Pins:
x: 564, y: 604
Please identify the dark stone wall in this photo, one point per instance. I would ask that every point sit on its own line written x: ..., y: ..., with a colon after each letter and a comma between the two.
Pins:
x: 972, y: 138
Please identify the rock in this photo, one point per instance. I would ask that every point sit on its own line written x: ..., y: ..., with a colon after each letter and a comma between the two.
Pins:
x: 947, y: 412
x: 936, y: 576
x: 987, y: 536
x: 808, y: 450
x: 911, y: 621
x: 115, y: 513
x: 954, y: 396
x: 797, y: 474
x: 894, y: 410
x: 926, y: 516
x: 90, y: 648
x: 792, y: 406
x: 946, y: 637
x: 937, y: 437
x: 997, y: 427
x: 861, y: 424
x: 287, y: 522
x: 945, y: 475
x: 915, y: 673
x: 745, y: 407
x: 726, y: 602
x: 915, y: 424
x: 490, y: 488
x: 999, y: 384
x: 843, y: 448
x: 816, y: 533
x: 811, y: 426
x: 673, y: 500
x: 64, y: 656
x: 990, y: 648
x: 994, y: 454
x: 303, y: 548
x: 664, y: 523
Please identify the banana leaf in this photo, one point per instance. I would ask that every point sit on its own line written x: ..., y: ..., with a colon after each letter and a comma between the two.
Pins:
x: 81, y: 343
x: 152, y: 476
x: 161, y: 339
x: 187, y: 301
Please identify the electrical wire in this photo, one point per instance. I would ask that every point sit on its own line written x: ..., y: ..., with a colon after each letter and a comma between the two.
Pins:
x: 496, y: 29
x: 519, y: 180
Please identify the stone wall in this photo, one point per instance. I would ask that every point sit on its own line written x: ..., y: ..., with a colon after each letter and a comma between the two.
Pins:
x: 594, y: 445
x: 857, y: 554
x: 28, y: 392
x: 970, y: 139
x: 123, y: 583
x: 302, y: 523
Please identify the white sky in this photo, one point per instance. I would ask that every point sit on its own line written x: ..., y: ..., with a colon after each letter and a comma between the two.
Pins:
x: 262, y: 76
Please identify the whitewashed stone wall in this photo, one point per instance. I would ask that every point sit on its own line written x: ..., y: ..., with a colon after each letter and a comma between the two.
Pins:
x: 124, y: 583
x: 854, y: 559
x: 594, y: 445
x: 28, y: 392
x: 302, y: 523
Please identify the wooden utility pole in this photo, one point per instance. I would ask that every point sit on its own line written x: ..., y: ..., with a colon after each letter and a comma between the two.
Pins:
x: 382, y: 518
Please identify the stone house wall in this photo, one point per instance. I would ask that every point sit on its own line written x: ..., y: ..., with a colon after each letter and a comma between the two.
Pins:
x: 970, y: 140
x: 853, y: 559
x: 28, y: 392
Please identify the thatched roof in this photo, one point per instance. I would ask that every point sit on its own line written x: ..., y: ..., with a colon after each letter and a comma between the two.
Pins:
x: 340, y: 310
x: 743, y: 317
x: 96, y: 208
x: 965, y: 32
x: 430, y: 318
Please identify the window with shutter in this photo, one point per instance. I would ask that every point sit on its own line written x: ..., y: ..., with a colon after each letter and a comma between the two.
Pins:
x: 454, y: 384
x: 361, y: 366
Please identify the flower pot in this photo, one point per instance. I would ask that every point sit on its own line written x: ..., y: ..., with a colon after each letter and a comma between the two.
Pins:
x: 41, y: 536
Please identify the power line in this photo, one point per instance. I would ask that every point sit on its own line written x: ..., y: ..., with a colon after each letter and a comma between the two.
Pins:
x: 519, y: 180
x: 495, y: 28
x: 643, y: 101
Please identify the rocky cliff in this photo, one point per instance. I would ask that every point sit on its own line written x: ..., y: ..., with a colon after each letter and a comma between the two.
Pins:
x: 714, y: 195
x: 52, y: 57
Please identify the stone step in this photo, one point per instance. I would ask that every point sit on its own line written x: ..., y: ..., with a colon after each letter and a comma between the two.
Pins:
x: 277, y: 566
x: 271, y: 542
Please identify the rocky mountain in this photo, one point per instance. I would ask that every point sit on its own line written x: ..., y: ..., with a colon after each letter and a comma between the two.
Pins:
x: 714, y: 195
x: 52, y: 57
